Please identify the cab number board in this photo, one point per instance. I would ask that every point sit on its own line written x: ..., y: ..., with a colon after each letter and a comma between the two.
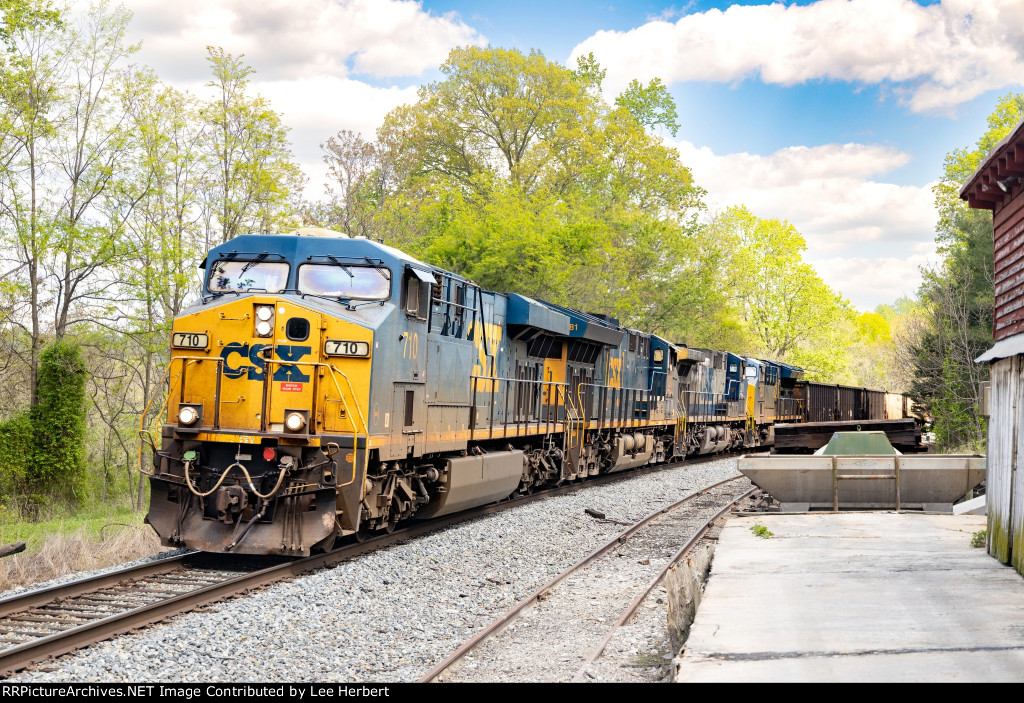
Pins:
x: 345, y: 347
x: 190, y: 340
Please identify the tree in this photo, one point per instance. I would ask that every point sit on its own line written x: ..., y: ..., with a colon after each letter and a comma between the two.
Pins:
x: 58, y: 423
x: 28, y: 90
x: 91, y: 137
x: 355, y: 169
x: 782, y: 301
x: 256, y: 179
x: 513, y: 171
x: 957, y: 295
x: 650, y: 105
x: 60, y: 136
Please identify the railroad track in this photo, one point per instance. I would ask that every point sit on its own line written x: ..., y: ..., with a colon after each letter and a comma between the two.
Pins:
x: 45, y: 623
x: 587, y: 601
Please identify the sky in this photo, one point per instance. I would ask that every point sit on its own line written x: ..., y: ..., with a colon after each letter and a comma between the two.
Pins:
x: 834, y: 115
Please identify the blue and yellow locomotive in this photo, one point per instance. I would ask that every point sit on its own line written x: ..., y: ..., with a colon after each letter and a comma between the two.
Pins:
x: 324, y: 386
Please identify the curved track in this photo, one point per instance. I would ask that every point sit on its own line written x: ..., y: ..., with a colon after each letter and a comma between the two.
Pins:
x: 617, y: 544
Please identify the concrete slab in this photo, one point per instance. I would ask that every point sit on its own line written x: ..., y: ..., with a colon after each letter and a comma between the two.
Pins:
x: 856, y: 597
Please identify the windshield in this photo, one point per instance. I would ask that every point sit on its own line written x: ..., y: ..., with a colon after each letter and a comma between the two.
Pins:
x: 340, y: 281
x: 235, y: 276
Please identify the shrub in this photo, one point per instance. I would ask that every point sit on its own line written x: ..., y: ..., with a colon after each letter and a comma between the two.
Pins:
x: 58, y: 424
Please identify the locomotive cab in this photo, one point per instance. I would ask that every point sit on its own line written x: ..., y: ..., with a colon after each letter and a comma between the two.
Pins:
x: 268, y: 413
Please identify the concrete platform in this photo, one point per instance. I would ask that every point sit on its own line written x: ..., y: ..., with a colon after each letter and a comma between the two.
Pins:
x: 856, y: 597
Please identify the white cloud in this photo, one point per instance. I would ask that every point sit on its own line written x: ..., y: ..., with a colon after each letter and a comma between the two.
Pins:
x: 297, y: 38
x: 340, y: 104
x: 938, y: 56
x: 829, y: 194
x: 868, y: 283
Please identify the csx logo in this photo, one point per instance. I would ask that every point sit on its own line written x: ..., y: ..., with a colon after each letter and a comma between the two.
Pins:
x: 283, y: 372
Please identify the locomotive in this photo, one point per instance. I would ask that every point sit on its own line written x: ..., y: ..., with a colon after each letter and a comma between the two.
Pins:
x: 325, y: 386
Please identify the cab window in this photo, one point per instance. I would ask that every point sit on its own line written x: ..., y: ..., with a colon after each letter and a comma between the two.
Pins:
x: 348, y: 282
x: 239, y: 276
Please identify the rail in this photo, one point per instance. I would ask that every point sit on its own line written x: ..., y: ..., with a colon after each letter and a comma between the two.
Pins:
x: 74, y: 636
x: 502, y: 621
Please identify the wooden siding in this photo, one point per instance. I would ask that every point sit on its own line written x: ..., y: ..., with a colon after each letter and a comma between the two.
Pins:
x: 1008, y: 232
x: 998, y: 185
x: 1002, y: 455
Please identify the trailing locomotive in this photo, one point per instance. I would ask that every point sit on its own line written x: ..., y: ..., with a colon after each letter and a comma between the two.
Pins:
x: 324, y: 386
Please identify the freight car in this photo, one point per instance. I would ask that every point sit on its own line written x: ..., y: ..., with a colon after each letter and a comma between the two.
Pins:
x: 323, y: 386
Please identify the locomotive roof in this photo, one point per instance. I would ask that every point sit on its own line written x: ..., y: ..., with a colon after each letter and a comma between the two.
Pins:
x: 590, y: 327
x: 296, y: 248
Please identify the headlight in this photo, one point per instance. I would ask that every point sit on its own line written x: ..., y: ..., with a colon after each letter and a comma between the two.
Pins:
x: 264, y: 328
x: 188, y: 415
x: 264, y: 312
x: 294, y: 422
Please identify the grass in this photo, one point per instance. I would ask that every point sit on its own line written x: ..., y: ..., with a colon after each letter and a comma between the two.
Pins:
x: 978, y: 539
x: 94, y: 539
x: 762, y: 532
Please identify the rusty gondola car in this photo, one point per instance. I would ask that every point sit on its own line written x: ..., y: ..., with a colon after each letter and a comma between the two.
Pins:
x: 324, y: 386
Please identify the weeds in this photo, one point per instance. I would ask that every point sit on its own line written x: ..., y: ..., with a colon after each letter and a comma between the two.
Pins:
x: 978, y: 538
x: 762, y: 532
x: 67, y: 546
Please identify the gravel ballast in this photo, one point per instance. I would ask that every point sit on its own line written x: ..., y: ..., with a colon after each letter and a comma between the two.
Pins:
x: 386, y: 616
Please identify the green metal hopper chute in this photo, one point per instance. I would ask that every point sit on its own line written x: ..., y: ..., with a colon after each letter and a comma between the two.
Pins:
x: 858, y: 443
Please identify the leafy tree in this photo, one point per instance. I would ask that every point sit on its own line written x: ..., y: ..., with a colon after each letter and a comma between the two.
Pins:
x: 60, y: 135
x: 256, y: 178
x: 957, y: 294
x: 513, y: 171
x: 650, y: 105
x: 783, y: 302
x: 28, y: 92
x: 16, y: 448
x: 355, y: 169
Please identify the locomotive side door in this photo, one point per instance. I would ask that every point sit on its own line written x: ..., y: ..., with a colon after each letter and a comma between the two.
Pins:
x: 408, y: 409
x: 407, y: 419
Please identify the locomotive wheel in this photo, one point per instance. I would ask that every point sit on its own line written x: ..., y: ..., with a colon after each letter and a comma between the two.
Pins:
x: 363, y: 533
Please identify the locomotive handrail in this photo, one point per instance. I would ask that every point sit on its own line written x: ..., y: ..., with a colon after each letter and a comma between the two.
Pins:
x: 649, y: 389
x: 495, y: 380
x: 331, y: 368
x: 142, y: 421
x: 219, y: 361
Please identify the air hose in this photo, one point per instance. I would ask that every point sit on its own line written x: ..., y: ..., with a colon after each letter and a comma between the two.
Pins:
x: 188, y: 479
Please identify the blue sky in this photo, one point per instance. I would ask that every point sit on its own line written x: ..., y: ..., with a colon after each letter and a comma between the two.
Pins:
x: 832, y: 114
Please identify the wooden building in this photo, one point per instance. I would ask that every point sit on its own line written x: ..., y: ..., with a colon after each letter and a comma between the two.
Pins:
x: 998, y: 185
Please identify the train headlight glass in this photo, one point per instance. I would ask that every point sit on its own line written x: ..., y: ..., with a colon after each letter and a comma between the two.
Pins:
x: 264, y: 312
x: 188, y: 415
x: 294, y: 422
x: 264, y: 328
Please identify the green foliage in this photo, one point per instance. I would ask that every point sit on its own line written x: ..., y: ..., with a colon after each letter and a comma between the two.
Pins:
x: 762, y: 532
x: 513, y: 171
x: 16, y: 448
x: 650, y: 105
x: 957, y: 295
x: 255, y: 174
x: 58, y: 423
x: 978, y: 539
x: 789, y: 312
